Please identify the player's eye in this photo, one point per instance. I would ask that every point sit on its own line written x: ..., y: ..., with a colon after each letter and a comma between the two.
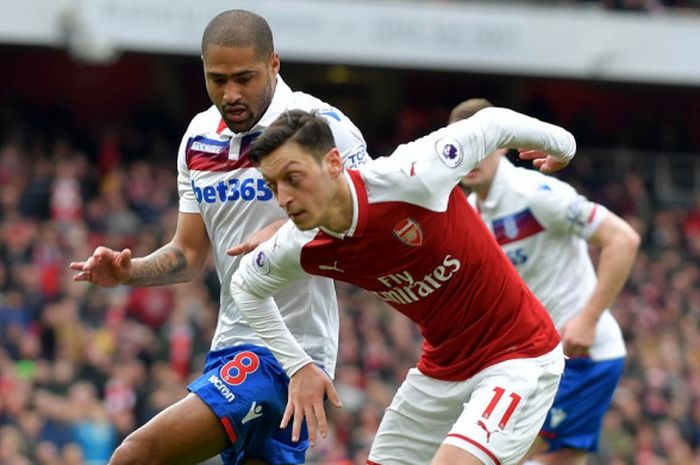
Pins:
x: 244, y: 79
x: 218, y: 80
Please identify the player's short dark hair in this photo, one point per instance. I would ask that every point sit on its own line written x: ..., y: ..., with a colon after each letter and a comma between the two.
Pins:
x: 239, y: 28
x: 468, y: 108
x: 307, y: 130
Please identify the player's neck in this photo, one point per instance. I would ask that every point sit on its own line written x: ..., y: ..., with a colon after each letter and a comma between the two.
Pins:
x: 340, y: 212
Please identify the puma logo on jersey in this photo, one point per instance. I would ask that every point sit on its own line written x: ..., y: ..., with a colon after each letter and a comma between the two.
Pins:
x: 333, y: 267
x: 558, y: 415
x: 488, y: 433
x: 254, y: 412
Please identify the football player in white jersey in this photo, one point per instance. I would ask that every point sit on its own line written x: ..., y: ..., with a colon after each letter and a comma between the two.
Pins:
x: 544, y: 226
x: 401, y: 228
x: 236, y: 406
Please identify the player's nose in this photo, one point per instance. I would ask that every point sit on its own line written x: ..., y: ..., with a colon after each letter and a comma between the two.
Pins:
x: 283, y: 196
x: 232, y: 92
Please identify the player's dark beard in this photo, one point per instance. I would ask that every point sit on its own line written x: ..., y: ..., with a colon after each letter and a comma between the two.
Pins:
x: 264, y: 102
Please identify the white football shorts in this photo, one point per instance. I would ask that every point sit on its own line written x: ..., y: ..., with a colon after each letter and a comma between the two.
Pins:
x: 495, y: 415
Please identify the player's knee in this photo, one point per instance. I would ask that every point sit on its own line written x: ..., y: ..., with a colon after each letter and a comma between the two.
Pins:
x: 134, y: 450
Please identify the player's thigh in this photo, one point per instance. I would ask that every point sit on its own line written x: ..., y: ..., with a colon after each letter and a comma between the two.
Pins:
x: 506, y: 408
x: 420, y: 415
x: 187, y: 432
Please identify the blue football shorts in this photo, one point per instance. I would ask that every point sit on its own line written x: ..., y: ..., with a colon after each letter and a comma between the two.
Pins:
x: 586, y: 390
x: 246, y: 388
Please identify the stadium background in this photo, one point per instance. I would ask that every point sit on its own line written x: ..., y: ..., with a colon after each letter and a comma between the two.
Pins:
x: 95, y: 95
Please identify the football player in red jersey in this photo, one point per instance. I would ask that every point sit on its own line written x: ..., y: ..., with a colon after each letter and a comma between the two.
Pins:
x: 401, y: 228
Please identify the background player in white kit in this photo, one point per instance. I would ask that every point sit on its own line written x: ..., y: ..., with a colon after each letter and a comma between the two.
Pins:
x: 544, y: 226
x: 401, y: 228
x: 223, y: 200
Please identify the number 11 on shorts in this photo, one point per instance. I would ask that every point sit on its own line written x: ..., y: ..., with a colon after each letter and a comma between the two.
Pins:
x: 497, y: 396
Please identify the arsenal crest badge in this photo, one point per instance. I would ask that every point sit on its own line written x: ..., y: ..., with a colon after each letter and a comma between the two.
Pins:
x: 409, y: 232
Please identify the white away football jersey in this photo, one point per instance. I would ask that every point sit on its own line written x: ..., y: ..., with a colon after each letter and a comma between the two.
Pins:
x: 417, y: 244
x: 217, y: 180
x: 543, y: 224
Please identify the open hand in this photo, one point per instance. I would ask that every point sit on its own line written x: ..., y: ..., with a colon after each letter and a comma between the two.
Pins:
x: 543, y: 161
x: 105, y: 267
x: 307, y: 389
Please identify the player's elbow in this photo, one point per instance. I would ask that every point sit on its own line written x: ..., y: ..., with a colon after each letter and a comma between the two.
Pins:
x: 628, y: 239
x: 236, y: 287
x: 635, y: 239
x: 240, y: 293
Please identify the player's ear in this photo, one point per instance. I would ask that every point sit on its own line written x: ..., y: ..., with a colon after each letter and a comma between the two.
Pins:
x: 274, y: 63
x: 333, y: 162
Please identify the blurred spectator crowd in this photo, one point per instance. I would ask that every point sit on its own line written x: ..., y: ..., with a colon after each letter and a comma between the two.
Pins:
x: 81, y: 367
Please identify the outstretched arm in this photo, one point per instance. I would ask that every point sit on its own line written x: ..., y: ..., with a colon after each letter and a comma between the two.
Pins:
x: 177, y: 261
x: 464, y: 144
x: 549, y: 146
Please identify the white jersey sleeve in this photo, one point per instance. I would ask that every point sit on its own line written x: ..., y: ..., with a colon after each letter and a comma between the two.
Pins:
x: 559, y: 208
x: 188, y: 202
x: 272, y: 266
x: 433, y: 165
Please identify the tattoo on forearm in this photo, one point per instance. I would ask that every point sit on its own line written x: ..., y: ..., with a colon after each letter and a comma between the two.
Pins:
x: 164, y: 266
